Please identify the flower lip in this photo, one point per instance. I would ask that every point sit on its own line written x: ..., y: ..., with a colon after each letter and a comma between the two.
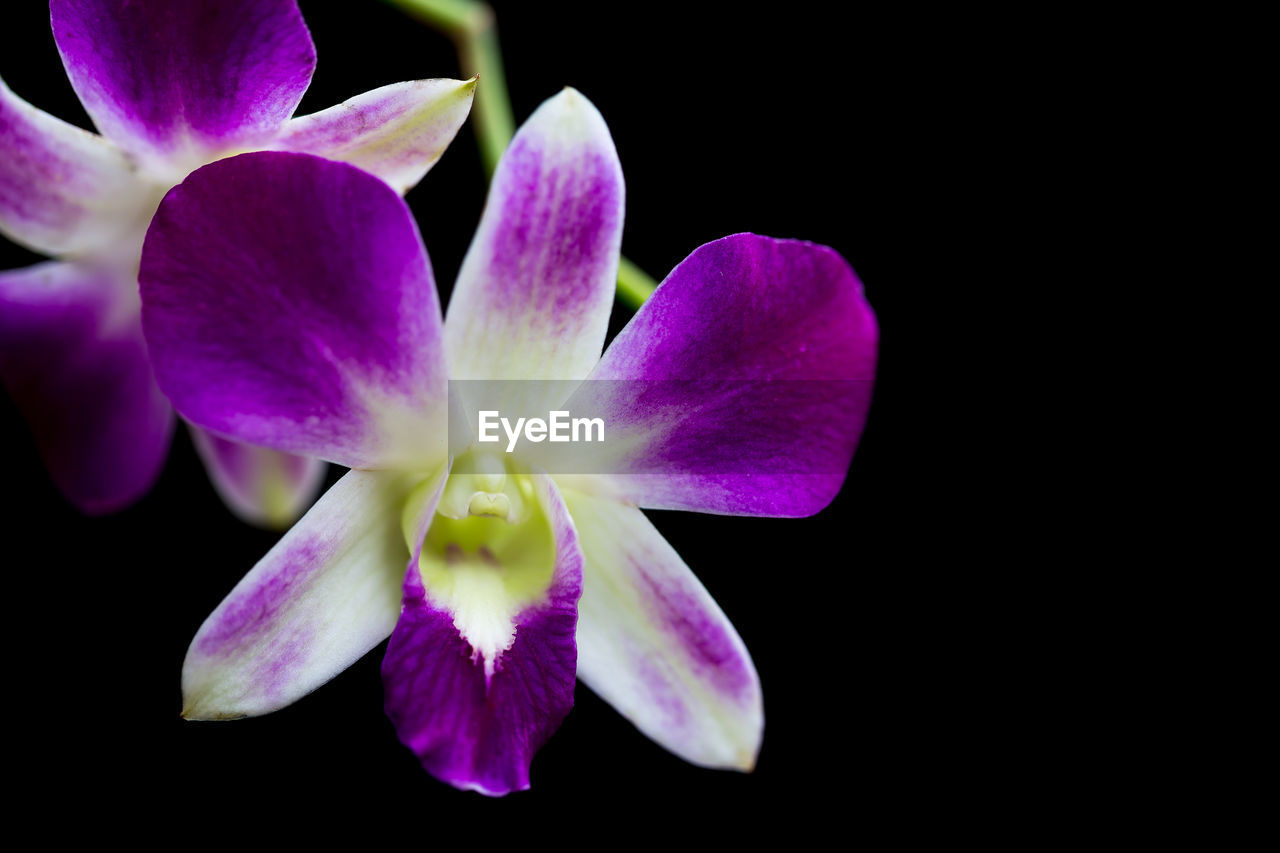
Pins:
x: 496, y: 605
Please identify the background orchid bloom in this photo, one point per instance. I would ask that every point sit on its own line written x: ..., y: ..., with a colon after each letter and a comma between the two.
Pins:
x: 516, y: 582
x: 170, y: 86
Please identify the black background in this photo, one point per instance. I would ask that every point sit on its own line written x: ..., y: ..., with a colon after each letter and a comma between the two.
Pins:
x: 802, y: 125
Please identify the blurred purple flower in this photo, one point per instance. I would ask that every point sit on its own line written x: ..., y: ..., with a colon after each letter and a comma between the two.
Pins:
x: 171, y: 86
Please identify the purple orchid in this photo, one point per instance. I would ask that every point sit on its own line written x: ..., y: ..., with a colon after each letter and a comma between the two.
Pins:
x: 171, y: 87
x: 321, y: 333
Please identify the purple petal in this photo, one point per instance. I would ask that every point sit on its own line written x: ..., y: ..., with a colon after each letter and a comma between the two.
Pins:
x: 396, y: 132
x: 316, y: 603
x: 62, y: 189
x: 73, y: 358
x: 261, y: 486
x: 533, y: 297
x: 654, y: 644
x: 315, y: 332
x: 175, y: 83
x: 758, y: 357
x: 470, y: 730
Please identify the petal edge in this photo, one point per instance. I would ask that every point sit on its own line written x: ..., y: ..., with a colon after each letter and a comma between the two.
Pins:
x: 259, y: 485
x: 396, y: 132
x: 63, y: 190
x: 654, y: 644
x: 533, y: 296
x: 325, y: 595
x: 782, y: 328
x: 317, y: 334
x: 176, y: 83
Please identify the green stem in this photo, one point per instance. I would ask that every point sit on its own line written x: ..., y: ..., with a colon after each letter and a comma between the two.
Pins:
x: 471, y: 26
x: 634, y: 284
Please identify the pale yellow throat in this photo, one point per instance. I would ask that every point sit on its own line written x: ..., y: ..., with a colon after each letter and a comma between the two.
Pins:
x: 489, y: 553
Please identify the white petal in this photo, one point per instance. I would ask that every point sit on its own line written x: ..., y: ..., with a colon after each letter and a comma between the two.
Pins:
x: 316, y: 603
x: 63, y: 190
x: 396, y: 132
x: 533, y: 296
x: 654, y: 644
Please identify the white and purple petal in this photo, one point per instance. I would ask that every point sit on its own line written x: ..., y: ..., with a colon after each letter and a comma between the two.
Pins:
x: 177, y: 83
x: 396, y: 132
x: 654, y: 644
x: 533, y: 296
x: 63, y: 190
x: 742, y: 385
x: 288, y: 302
x: 73, y: 358
x: 474, y: 722
x: 325, y: 595
x: 260, y: 485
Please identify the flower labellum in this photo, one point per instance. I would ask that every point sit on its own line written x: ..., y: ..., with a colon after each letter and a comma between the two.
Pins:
x: 171, y: 87
x: 498, y: 580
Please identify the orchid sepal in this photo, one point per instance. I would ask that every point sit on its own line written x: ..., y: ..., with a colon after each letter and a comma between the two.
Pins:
x: 261, y: 486
x: 396, y: 132
x: 325, y: 595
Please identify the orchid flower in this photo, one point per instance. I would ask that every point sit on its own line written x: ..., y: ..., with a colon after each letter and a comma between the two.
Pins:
x: 171, y: 87
x: 320, y: 333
